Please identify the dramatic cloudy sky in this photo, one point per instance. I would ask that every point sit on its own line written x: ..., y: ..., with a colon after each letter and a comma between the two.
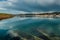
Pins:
x: 29, y: 5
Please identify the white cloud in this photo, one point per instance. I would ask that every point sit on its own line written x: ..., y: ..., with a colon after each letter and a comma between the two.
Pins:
x: 9, y: 3
x: 47, y: 2
x: 40, y: 2
x: 29, y: 5
x: 12, y: 0
x: 3, y: 9
x: 58, y: 2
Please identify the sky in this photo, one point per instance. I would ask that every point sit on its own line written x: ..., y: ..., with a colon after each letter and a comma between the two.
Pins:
x: 17, y: 6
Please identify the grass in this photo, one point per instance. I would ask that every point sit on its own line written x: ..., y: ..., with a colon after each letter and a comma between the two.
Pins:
x: 5, y: 16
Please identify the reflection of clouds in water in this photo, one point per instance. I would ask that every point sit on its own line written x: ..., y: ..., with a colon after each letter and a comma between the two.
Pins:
x: 59, y: 27
x: 51, y: 26
x: 13, y: 33
x: 12, y: 19
x: 4, y: 24
x: 26, y: 24
x: 46, y: 29
x: 4, y: 27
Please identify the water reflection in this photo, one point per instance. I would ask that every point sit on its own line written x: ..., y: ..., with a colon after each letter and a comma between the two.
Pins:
x: 27, y: 25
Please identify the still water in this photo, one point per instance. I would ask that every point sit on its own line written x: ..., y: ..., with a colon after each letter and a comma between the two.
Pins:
x: 50, y: 25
